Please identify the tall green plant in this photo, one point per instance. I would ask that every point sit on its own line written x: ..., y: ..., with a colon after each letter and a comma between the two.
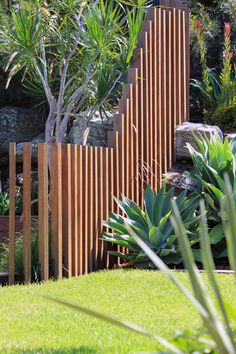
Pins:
x: 218, y: 90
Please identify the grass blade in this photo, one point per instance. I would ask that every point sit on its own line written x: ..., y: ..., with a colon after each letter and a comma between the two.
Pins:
x: 124, y: 324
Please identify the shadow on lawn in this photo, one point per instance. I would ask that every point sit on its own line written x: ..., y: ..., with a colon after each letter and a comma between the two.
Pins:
x: 78, y: 350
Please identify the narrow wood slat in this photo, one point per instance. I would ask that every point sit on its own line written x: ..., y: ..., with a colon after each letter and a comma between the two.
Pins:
x: 168, y: 89
x: 143, y: 41
x: 133, y: 78
x: 163, y: 91
x: 12, y: 192
x: 159, y: 90
x: 152, y: 15
x: 27, y: 151
x: 56, y: 209
x: 174, y: 82
x: 96, y: 210
x: 91, y: 207
x: 80, y: 211
x: 43, y: 210
x: 100, y: 207
x: 86, y: 210
x: 74, y: 196
x: 67, y: 212
x: 111, y: 193
x: 139, y: 66
x: 106, y: 202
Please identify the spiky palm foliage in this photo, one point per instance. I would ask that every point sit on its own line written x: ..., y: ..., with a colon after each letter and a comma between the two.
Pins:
x: 77, y: 51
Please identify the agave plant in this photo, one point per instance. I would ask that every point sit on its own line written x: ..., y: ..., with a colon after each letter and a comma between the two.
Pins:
x: 217, y: 316
x: 152, y: 225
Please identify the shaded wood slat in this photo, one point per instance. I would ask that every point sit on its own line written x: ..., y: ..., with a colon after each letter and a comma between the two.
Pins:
x: 67, y: 212
x: 27, y: 152
x: 56, y: 209
x: 12, y: 205
x: 74, y: 209
x: 43, y: 210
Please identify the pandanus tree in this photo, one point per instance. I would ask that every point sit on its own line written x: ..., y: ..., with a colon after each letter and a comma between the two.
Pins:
x: 74, y: 53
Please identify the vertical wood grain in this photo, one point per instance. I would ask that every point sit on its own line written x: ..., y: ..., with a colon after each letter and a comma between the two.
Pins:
x: 43, y: 210
x: 56, y: 209
x: 27, y: 151
x: 12, y: 206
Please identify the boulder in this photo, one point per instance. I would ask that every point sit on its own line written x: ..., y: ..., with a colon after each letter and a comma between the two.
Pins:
x: 18, y: 125
x: 185, y: 134
x: 230, y: 136
x: 19, y: 148
x: 95, y: 130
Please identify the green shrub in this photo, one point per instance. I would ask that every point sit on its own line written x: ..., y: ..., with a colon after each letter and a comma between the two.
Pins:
x: 152, y: 225
x: 19, y: 269
x: 5, y: 203
x: 218, y: 90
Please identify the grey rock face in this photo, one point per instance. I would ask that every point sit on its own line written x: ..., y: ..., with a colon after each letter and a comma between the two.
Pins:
x: 18, y: 125
x: 19, y: 148
x: 185, y: 134
x: 96, y: 130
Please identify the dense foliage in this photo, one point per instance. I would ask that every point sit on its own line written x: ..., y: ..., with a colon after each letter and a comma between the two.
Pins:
x: 72, y: 53
x: 218, y: 87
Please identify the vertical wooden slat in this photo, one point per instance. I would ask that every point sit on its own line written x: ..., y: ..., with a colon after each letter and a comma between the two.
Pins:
x: 106, y: 201
x: 67, y: 213
x: 143, y: 41
x: 27, y: 211
x: 168, y: 88
x: 56, y: 209
x: 96, y: 203
x: 12, y: 192
x: 174, y: 82
x: 74, y: 196
x: 91, y: 207
x: 80, y: 211
x: 159, y: 90
x: 139, y: 65
x: 163, y: 91
x: 43, y: 210
x: 100, y: 207
x: 133, y: 78
x: 86, y: 209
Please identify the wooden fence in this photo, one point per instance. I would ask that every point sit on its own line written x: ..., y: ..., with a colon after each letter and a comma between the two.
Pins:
x: 84, y: 179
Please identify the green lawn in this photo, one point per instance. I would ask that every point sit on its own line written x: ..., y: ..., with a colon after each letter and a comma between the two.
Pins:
x: 31, y: 324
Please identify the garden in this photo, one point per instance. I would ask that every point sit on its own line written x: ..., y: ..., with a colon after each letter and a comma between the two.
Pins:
x: 117, y: 176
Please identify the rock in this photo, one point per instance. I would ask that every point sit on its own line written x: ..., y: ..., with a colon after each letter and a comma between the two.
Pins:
x: 230, y: 136
x: 19, y: 148
x: 97, y: 129
x: 184, y: 135
x: 18, y: 125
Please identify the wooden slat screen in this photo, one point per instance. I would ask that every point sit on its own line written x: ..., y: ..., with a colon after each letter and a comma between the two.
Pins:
x: 84, y: 179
